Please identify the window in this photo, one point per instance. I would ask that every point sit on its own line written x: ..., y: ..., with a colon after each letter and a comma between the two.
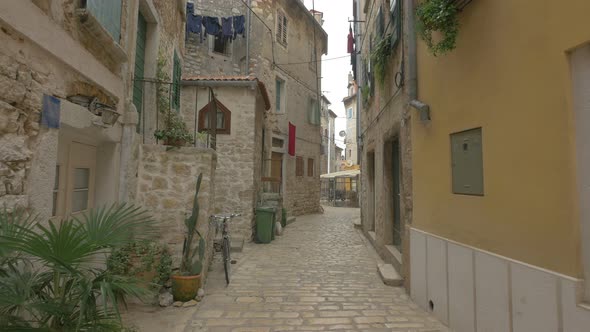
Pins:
x: 220, y: 45
x: 314, y: 112
x: 81, y: 189
x: 139, y: 64
x: 396, y: 22
x: 176, y: 74
x: 349, y: 113
x: 280, y: 95
x: 299, y: 166
x: 310, y: 167
x: 281, y: 27
x: 55, y: 191
x: 223, y: 118
x: 108, y: 14
x: 379, y: 24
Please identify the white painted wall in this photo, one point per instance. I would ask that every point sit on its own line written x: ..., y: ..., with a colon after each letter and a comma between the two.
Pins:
x: 491, y: 293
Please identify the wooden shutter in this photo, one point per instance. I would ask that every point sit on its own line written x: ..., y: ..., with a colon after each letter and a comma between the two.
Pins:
x: 310, y: 167
x: 177, y: 72
x: 139, y: 63
x: 279, y: 26
x: 299, y: 166
x: 284, y: 29
x: 108, y: 13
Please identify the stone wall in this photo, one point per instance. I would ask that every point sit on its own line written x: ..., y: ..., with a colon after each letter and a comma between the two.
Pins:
x: 301, y: 82
x: 166, y: 187
x: 239, y: 155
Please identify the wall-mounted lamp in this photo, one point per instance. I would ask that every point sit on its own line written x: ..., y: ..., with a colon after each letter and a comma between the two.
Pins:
x: 424, y: 109
x: 108, y: 114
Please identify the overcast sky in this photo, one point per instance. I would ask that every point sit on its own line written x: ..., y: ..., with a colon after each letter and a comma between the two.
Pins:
x: 335, y: 72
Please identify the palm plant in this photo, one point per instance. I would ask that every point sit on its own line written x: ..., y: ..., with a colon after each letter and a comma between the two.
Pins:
x: 53, y: 277
x: 192, y: 258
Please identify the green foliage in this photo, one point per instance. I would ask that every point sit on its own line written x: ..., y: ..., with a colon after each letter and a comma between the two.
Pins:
x: 380, y: 58
x: 54, y: 273
x: 366, y: 92
x: 142, y: 257
x: 174, y: 132
x: 192, y: 257
x: 438, y: 16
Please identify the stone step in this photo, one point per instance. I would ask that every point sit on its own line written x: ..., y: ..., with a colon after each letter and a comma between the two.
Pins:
x: 389, y: 275
x: 357, y: 223
x: 291, y: 220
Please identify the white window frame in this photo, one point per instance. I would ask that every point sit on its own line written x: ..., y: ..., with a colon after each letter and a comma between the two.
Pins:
x: 349, y: 113
x: 283, y: 100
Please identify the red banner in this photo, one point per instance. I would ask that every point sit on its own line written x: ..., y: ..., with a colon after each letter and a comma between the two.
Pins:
x: 291, y: 139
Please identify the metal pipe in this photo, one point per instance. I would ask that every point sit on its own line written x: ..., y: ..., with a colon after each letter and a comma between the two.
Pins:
x: 359, y: 68
x: 412, y: 60
x: 196, y: 114
x: 249, y: 17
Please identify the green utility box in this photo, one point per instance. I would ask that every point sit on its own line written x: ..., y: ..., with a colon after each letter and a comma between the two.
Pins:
x: 265, y: 217
x: 284, y: 218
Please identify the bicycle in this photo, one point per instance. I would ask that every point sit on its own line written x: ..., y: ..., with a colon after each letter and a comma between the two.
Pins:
x: 225, y: 242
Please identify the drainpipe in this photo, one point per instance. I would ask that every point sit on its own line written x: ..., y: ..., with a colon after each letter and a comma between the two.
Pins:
x: 412, y: 81
x: 249, y: 17
x: 329, y: 141
x: 359, y: 73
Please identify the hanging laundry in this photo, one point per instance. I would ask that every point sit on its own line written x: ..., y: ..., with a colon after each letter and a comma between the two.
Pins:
x: 350, y: 40
x: 194, y: 24
x: 190, y: 8
x: 239, y: 26
x: 227, y: 27
x: 212, y: 26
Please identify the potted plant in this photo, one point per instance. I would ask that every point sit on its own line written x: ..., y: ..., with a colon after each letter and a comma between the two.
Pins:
x: 186, y: 284
x: 175, y: 132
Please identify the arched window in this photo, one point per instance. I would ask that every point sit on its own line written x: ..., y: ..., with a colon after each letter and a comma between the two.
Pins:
x: 223, y: 118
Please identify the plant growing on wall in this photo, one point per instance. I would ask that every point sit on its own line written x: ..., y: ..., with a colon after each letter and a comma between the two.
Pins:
x: 366, y: 92
x: 380, y: 58
x: 438, y: 16
x: 174, y: 132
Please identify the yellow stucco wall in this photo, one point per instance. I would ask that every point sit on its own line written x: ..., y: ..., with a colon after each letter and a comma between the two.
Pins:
x: 510, y: 75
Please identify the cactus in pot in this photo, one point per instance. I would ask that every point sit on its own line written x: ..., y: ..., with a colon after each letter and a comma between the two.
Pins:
x: 186, y: 284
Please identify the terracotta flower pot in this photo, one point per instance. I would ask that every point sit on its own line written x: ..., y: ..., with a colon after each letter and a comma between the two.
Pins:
x: 185, y: 288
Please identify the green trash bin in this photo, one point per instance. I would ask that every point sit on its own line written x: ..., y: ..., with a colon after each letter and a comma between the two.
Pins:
x: 264, y: 224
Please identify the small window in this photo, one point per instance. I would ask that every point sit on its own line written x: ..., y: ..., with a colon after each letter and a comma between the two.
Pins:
x: 277, y: 142
x: 220, y: 45
x: 108, y: 14
x: 310, y: 167
x: 81, y: 189
x: 349, y: 113
x: 281, y: 27
x: 314, y: 112
x: 299, y: 166
x: 280, y: 95
x: 223, y: 119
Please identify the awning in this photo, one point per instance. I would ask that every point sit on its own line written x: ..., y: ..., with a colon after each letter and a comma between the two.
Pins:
x: 342, y: 174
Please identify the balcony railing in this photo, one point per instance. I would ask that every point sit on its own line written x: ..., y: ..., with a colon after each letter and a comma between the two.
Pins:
x: 156, y: 108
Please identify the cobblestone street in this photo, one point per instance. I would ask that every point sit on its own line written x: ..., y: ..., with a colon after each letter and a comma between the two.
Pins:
x: 318, y: 276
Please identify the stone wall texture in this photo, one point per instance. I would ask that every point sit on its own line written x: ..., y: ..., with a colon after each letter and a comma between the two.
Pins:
x: 166, y: 187
x: 301, y: 195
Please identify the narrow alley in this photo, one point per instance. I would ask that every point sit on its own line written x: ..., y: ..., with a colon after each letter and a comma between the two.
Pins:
x: 319, y: 276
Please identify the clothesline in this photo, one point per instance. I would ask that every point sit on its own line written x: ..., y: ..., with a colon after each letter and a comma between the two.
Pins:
x: 225, y: 27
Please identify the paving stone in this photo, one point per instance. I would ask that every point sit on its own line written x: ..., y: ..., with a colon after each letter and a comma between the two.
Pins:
x: 318, y: 276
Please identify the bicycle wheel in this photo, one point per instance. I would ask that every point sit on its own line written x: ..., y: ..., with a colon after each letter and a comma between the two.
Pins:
x: 226, y: 259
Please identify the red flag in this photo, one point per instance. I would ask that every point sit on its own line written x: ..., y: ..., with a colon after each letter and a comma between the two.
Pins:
x: 350, y: 40
x: 291, y: 139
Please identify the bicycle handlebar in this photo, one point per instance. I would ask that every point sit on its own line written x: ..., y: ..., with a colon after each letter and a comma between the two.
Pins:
x: 225, y: 216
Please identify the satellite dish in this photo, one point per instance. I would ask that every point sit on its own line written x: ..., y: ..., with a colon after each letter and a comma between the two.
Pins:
x: 342, y: 133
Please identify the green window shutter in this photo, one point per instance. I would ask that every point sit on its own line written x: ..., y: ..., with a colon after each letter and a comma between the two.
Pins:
x: 176, y: 74
x: 139, y: 63
x: 108, y: 13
